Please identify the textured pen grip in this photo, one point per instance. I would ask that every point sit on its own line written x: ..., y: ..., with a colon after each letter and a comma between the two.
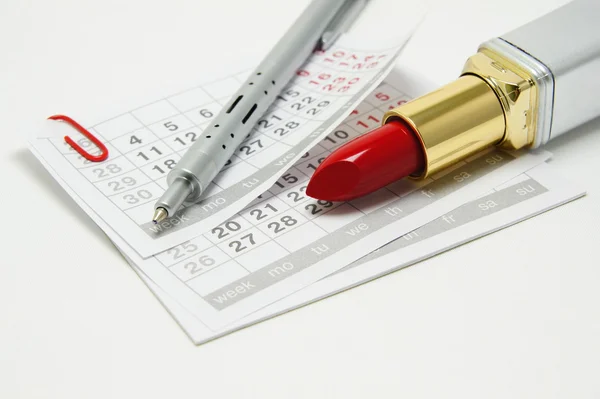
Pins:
x: 226, y: 132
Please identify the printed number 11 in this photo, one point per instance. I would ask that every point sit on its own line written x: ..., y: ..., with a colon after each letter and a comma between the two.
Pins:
x: 141, y: 154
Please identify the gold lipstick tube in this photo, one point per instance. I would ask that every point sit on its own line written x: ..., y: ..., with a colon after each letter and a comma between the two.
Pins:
x: 507, y: 96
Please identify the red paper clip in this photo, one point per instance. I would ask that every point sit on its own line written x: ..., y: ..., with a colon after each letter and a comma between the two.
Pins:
x: 94, y: 158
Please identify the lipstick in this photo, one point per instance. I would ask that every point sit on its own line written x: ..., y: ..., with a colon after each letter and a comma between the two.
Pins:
x: 354, y: 170
x: 518, y: 91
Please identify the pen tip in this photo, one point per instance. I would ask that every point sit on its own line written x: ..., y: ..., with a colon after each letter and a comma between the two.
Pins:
x: 160, y: 214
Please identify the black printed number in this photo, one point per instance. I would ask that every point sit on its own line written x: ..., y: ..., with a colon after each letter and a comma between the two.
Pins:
x: 226, y: 228
x: 189, y: 138
x: 318, y: 207
x: 318, y: 108
x: 297, y: 196
x: 279, y: 226
x: 171, y: 126
x: 242, y: 243
x: 251, y: 147
x: 260, y: 214
x: 288, y: 179
x: 338, y: 134
x: 169, y: 163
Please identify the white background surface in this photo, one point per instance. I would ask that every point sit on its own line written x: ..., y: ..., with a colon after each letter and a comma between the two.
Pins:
x: 515, y: 314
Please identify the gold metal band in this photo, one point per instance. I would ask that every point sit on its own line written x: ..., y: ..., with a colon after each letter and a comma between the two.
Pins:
x: 453, y: 122
x: 494, y: 102
x: 516, y: 90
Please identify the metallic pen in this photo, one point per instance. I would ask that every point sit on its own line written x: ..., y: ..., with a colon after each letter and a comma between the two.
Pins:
x: 317, y: 27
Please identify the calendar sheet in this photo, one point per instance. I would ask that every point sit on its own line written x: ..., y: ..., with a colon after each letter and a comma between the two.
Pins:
x: 282, y: 243
x: 527, y: 195
x: 285, y: 241
x: 245, y: 264
x: 534, y: 192
x: 145, y: 143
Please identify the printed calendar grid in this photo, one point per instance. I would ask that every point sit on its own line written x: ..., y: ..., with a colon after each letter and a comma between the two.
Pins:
x: 215, y: 251
x: 366, y: 116
x: 228, y: 275
x: 152, y: 144
x: 147, y: 186
x: 507, y: 199
x: 291, y: 209
x: 214, y: 254
x: 234, y: 255
x: 139, y: 180
x: 210, y: 253
x: 213, y: 332
x: 203, y: 247
x: 200, y: 292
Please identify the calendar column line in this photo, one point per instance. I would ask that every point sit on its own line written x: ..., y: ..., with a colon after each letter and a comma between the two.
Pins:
x: 185, y: 282
x: 390, y: 191
x: 182, y: 113
x: 281, y: 246
x: 152, y: 180
x: 91, y: 166
x: 136, y: 118
x: 288, y: 232
x: 94, y: 183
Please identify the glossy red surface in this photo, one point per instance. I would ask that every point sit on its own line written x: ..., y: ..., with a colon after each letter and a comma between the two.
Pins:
x: 367, y: 163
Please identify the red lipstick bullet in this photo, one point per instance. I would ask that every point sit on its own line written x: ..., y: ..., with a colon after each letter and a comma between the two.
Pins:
x: 516, y: 92
x: 367, y: 163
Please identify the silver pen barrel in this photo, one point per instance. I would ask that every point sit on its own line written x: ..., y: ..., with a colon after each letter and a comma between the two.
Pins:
x: 201, y: 163
x: 342, y: 21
